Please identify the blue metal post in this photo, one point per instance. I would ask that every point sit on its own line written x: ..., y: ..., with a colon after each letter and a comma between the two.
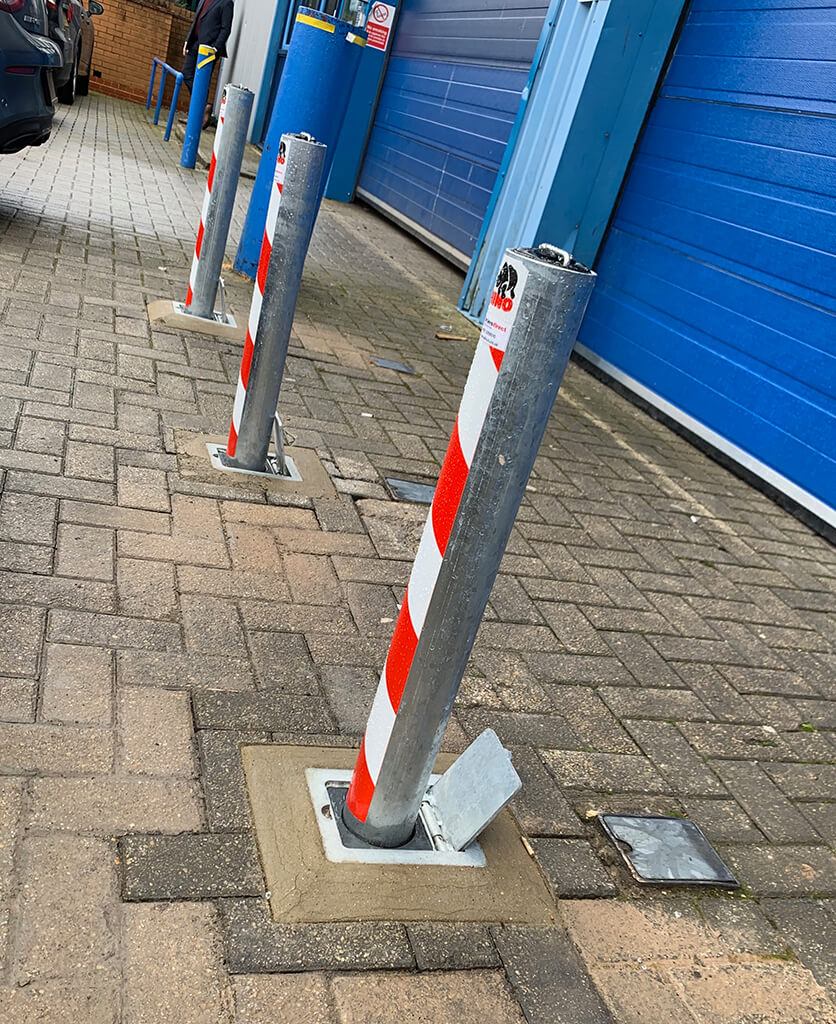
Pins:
x: 160, y: 94
x: 350, y: 149
x: 313, y: 97
x: 197, y: 106
x: 178, y: 81
x: 151, y: 83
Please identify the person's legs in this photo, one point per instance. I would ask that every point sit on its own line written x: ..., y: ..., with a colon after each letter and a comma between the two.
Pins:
x: 189, y: 67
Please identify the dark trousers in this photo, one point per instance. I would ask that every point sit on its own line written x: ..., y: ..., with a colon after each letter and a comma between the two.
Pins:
x: 189, y: 68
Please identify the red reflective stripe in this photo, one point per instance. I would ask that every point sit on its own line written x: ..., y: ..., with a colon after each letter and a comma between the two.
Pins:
x: 448, y: 491
x: 199, y: 243
x: 232, y: 443
x: 496, y: 355
x: 361, y: 790
x: 263, y: 263
x: 189, y: 296
x: 401, y: 653
x: 247, y: 359
x: 211, y: 173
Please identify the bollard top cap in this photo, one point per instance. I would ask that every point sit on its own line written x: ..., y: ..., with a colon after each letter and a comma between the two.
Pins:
x: 547, y: 253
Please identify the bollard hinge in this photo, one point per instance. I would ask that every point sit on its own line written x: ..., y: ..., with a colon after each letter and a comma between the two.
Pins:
x: 470, y: 794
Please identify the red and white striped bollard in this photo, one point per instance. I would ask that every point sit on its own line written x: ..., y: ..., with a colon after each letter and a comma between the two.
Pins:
x: 525, y: 344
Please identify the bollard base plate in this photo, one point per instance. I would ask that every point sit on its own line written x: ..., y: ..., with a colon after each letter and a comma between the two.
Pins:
x: 220, y: 460
x: 328, y: 790
x: 164, y: 313
x: 306, y: 887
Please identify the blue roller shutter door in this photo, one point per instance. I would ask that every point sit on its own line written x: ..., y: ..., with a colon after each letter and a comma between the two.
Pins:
x: 449, y: 99
x: 717, y: 287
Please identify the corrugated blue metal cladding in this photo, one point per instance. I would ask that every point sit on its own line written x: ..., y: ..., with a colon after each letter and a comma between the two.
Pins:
x: 449, y: 99
x: 716, y: 298
x: 717, y: 288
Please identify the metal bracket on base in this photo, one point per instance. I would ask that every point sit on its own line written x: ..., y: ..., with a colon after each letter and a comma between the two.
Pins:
x: 173, y: 315
x: 224, y: 318
x: 457, y: 808
x: 328, y: 790
x: 272, y: 469
x: 471, y: 793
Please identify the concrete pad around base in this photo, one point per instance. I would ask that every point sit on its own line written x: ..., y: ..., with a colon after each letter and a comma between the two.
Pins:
x: 194, y: 463
x: 164, y: 313
x: 306, y: 887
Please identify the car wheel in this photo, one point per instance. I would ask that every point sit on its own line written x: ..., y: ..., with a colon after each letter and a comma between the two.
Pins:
x: 67, y: 91
x: 82, y: 85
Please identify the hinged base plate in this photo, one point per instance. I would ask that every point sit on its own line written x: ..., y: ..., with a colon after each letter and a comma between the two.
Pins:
x: 328, y: 789
x: 164, y: 313
x: 220, y: 460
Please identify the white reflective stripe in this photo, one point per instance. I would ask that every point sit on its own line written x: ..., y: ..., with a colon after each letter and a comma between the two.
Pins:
x: 424, y: 574
x: 205, y: 209
x: 273, y: 212
x: 476, y: 399
x: 379, y: 729
x: 238, y: 407
x: 255, y: 313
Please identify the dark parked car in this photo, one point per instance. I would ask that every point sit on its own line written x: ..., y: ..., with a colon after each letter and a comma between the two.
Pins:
x: 85, y: 57
x: 71, y: 27
x: 27, y: 59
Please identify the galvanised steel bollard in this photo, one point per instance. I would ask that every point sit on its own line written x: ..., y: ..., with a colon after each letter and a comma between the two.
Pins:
x: 313, y: 97
x: 290, y: 222
x: 221, y: 186
x: 206, y: 57
x: 537, y: 306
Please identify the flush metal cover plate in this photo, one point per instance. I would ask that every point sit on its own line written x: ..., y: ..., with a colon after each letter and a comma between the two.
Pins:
x: 666, y: 851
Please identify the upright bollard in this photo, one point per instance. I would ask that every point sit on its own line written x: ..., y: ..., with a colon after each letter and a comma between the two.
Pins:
x: 537, y: 306
x: 290, y: 222
x: 221, y: 186
x: 313, y: 96
x: 206, y: 57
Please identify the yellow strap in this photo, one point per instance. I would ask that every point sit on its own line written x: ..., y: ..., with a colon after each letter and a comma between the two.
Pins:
x: 306, y: 19
x: 359, y: 40
x: 208, y: 53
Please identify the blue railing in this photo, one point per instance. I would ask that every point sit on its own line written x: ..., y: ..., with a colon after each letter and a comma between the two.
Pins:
x: 178, y: 81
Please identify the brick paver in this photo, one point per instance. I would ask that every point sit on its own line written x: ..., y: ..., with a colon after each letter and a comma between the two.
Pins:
x: 660, y: 638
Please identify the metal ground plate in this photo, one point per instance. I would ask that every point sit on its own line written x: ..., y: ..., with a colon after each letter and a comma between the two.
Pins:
x: 221, y: 461
x: 666, y: 851
x: 322, y: 782
x: 393, y: 364
x: 224, y: 319
x: 408, y: 490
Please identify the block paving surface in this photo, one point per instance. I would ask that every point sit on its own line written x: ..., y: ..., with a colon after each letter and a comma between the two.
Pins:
x: 661, y: 638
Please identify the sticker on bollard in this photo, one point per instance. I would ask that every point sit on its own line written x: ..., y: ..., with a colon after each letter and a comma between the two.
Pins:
x: 520, y: 359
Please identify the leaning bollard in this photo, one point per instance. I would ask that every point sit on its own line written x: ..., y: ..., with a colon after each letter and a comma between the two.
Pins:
x: 523, y: 351
x: 290, y: 221
x: 221, y: 186
x: 206, y: 57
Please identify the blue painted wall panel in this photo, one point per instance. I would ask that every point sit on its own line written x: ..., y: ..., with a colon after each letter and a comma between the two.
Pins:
x: 449, y: 99
x: 717, y: 285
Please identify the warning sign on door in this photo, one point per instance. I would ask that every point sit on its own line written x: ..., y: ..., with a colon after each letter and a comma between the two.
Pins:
x: 379, y: 25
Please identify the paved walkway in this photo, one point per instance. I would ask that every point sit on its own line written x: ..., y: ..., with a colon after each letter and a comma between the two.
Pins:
x: 661, y: 638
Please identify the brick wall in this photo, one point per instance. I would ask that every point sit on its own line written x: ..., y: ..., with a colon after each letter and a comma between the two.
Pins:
x: 129, y: 35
